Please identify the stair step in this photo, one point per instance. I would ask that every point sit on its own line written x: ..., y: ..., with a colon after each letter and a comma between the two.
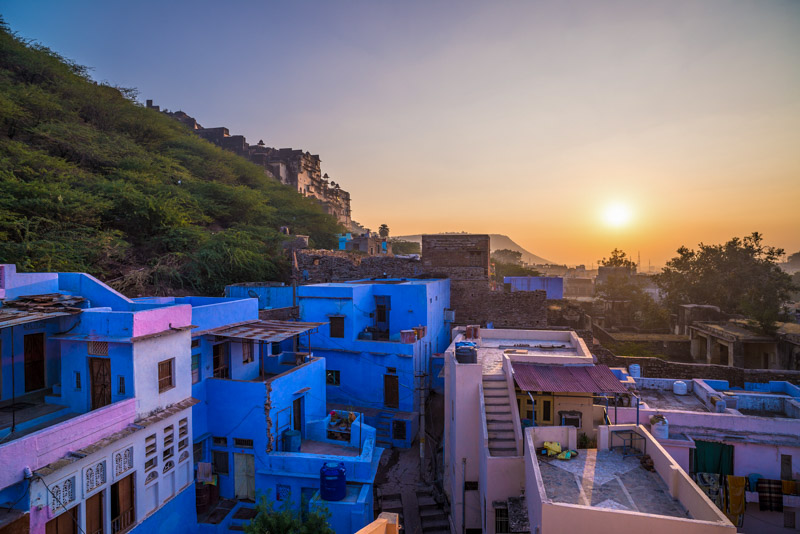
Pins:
x: 492, y: 394
x: 497, y: 409
x: 498, y: 418
x: 503, y: 452
x: 495, y: 385
x: 498, y: 401
x: 498, y: 436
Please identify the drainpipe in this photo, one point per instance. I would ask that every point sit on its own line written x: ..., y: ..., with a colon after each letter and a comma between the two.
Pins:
x: 13, y: 386
x: 463, y: 496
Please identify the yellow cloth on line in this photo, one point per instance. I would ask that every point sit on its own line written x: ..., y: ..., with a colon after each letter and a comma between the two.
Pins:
x: 789, y: 487
x: 735, y: 499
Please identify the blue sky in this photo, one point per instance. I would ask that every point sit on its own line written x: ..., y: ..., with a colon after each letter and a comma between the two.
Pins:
x: 523, y: 118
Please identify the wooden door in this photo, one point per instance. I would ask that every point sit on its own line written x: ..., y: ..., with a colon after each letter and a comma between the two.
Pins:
x: 34, y: 362
x: 391, y: 391
x: 94, y: 514
x: 100, y: 373
x: 66, y: 523
x: 123, y: 514
x: 244, y: 478
x: 297, y: 415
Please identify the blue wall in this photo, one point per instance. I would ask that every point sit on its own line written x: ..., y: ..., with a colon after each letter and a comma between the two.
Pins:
x: 177, y: 515
x: 553, y: 285
x: 268, y: 296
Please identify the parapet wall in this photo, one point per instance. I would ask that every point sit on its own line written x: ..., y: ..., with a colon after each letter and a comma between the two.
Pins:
x: 319, y: 266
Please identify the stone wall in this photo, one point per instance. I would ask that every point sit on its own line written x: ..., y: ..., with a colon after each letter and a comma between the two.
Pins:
x: 659, y: 368
x: 337, y: 265
x: 476, y: 304
x: 457, y: 256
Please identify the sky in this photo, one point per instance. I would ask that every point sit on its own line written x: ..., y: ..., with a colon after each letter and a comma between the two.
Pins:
x: 572, y: 127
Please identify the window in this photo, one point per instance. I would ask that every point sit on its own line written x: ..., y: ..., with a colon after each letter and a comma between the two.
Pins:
x: 332, y: 377
x: 243, y: 443
x: 337, y: 326
x: 276, y: 348
x: 197, y: 451
x: 182, y: 444
x: 165, y: 380
x: 221, y: 360
x: 571, y: 419
x: 98, y: 348
x: 151, y: 463
x: 283, y: 492
x: 220, y: 442
x: 183, y: 427
x: 168, y: 453
x: 501, y: 520
x: 392, y: 370
x: 77, y: 380
x: 546, y: 410
x: 220, y: 461
x: 169, y: 435
x: 150, y: 445
x: 120, y: 385
x: 195, y: 368
x: 247, y: 351
x: 195, y: 343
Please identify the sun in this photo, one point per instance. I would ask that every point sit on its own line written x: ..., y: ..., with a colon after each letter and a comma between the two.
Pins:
x: 617, y: 215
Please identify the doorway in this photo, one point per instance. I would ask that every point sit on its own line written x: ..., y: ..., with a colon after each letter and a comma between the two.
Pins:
x: 34, y: 362
x: 297, y: 416
x: 123, y: 514
x: 94, y: 514
x: 221, y: 360
x: 66, y: 523
x: 100, y: 373
x: 391, y: 391
x: 244, y: 477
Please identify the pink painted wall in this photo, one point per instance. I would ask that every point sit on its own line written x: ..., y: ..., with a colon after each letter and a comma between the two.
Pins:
x: 40, y: 448
x: 160, y: 319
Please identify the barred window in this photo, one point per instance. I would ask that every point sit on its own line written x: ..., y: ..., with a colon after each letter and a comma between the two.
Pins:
x: 98, y: 348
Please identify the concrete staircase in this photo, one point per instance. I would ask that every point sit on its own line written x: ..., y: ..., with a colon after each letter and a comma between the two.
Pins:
x: 431, y: 514
x: 499, y: 421
x: 383, y: 430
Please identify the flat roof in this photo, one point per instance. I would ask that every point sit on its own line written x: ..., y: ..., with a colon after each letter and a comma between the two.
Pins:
x: 732, y: 330
x: 605, y: 479
x: 661, y: 399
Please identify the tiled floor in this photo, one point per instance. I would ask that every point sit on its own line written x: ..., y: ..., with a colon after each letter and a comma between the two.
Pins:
x: 604, y: 479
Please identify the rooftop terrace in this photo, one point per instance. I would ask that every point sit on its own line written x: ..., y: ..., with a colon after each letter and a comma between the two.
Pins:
x: 606, y: 479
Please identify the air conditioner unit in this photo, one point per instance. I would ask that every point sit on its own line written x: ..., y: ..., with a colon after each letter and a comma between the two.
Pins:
x: 449, y: 316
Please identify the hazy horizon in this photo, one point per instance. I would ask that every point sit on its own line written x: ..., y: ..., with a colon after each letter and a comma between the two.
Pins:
x: 525, y: 119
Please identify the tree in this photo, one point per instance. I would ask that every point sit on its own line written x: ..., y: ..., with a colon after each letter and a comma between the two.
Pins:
x: 792, y: 262
x: 505, y: 255
x: 618, y: 258
x: 383, y: 230
x: 741, y: 276
x: 288, y: 520
x: 405, y: 247
x: 501, y: 270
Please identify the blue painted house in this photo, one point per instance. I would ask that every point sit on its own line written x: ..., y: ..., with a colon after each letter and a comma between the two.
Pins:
x: 377, y: 343
x: 553, y: 285
x: 262, y: 426
x: 95, y: 408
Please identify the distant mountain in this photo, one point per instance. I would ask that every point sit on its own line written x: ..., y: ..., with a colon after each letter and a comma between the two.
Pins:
x: 497, y: 242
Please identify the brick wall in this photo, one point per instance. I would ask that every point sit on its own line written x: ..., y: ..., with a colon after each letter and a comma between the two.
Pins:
x: 475, y: 303
x: 337, y: 265
x: 458, y: 256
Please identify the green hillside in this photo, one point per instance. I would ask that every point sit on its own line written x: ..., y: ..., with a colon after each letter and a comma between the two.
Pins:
x: 90, y: 181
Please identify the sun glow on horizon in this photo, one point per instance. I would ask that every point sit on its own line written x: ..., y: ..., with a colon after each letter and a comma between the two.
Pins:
x: 617, y: 215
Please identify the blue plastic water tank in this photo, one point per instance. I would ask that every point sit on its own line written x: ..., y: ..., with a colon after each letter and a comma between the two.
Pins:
x: 332, y: 481
x: 291, y: 440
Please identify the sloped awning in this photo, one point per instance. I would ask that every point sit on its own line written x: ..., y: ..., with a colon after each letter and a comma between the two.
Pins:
x: 32, y: 308
x: 269, y: 331
x: 566, y: 378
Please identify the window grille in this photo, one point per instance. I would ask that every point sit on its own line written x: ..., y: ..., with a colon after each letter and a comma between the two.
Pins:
x: 98, y: 348
x: 243, y: 443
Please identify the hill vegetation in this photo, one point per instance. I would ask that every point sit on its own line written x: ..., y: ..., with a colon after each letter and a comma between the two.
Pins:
x: 90, y: 181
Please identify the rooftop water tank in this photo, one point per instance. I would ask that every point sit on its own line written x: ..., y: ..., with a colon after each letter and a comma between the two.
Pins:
x: 679, y: 388
x: 332, y: 481
x: 291, y: 440
x: 635, y: 370
x: 660, y: 429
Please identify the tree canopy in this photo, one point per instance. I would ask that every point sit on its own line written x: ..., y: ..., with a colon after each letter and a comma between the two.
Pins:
x: 505, y: 255
x: 741, y: 276
x: 383, y: 230
x: 618, y: 258
x: 90, y: 181
x: 288, y: 520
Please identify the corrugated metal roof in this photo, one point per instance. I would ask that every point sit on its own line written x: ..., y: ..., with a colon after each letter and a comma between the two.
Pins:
x: 264, y: 330
x: 566, y: 378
